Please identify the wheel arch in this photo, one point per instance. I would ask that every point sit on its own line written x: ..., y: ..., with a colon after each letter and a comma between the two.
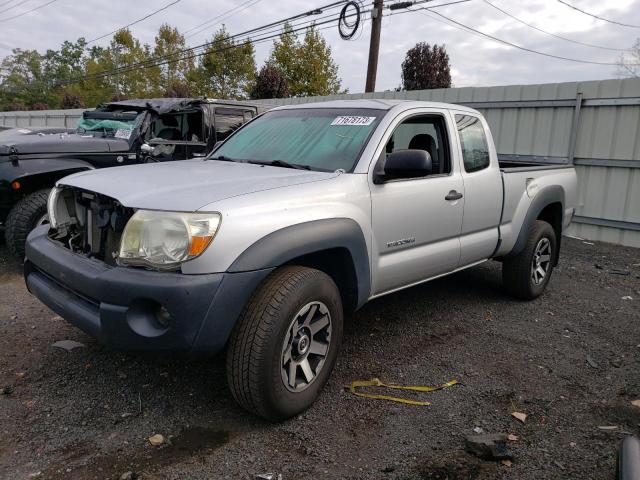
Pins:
x: 547, y: 205
x: 36, y: 174
x: 334, y: 246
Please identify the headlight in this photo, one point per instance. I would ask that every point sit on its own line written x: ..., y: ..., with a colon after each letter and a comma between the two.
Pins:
x: 52, y: 203
x: 164, y: 240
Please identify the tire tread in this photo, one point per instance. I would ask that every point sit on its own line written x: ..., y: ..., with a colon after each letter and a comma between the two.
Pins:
x: 20, y: 218
x: 516, y: 271
x: 248, y: 341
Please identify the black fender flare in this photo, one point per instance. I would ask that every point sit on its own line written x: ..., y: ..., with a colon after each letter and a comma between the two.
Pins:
x: 284, y: 245
x: 545, y: 197
x: 11, y: 171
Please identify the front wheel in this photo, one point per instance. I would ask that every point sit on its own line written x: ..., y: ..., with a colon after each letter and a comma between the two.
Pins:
x: 527, y: 274
x: 285, y: 344
x: 28, y: 213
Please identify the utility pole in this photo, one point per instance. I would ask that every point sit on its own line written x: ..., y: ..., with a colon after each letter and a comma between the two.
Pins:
x: 374, y: 45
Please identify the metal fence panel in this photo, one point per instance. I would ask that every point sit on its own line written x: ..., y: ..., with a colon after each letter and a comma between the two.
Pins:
x: 530, y: 122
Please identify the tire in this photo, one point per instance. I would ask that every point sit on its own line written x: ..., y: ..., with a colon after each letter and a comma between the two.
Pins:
x: 25, y: 215
x: 262, y: 337
x: 518, y: 272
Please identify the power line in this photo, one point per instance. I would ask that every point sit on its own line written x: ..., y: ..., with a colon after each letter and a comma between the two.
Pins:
x: 28, y: 11
x: 597, y: 16
x: 205, y: 48
x: 135, y: 21
x: 519, y: 47
x: 223, y: 16
x: 551, y: 33
x: 12, y: 6
x: 152, y: 62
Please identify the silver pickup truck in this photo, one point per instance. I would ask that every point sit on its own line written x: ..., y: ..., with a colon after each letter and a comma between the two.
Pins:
x: 294, y: 222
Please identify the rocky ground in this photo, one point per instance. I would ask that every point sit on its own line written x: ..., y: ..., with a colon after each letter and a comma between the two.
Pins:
x: 569, y: 360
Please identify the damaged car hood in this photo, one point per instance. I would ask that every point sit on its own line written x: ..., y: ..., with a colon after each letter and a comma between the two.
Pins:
x: 187, y: 185
x: 22, y: 142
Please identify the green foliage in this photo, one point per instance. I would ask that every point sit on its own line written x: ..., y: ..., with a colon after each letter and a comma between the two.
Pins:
x: 171, y: 77
x: 307, y: 65
x: 426, y: 67
x: 227, y: 69
x: 270, y: 83
x: 78, y: 76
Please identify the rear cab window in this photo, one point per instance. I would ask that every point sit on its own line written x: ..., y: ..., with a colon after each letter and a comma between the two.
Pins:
x: 473, y: 141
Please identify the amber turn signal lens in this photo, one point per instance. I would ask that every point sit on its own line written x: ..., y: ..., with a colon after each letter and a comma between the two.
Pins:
x: 16, y: 185
x: 198, y: 245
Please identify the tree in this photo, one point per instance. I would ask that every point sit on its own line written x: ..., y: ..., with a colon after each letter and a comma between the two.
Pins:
x: 226, y: 70
x: 21, y: 78
x: 270, y: 83
x: 426, y: 67
x: 307, y: 65
x: 172, y: 76
x: 71, y: 99
x: 629, y: 63
x: 284, y: 56
x: 319, y: 71
x: 65, y: 64
x: 177, y: 90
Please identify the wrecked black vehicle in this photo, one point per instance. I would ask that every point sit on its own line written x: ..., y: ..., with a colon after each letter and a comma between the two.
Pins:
x: 114, y: 134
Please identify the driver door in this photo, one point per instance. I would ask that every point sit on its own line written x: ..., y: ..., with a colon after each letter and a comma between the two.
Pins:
x: 416, y: 230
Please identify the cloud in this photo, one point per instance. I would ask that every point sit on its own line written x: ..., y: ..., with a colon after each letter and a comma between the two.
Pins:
x: 476, y: 61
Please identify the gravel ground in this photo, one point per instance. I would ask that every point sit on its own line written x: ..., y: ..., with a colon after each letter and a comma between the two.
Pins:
x: 569, y: 360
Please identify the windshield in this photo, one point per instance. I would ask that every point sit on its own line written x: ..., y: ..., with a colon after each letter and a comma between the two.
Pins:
x: 105, y: 127
x: 325, y: 139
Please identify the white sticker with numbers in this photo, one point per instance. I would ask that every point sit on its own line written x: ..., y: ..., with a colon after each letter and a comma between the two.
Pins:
x: 123, y: 133
x: 353, y: 120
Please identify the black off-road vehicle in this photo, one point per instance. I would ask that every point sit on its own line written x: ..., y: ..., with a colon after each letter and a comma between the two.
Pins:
x: 114, y: 134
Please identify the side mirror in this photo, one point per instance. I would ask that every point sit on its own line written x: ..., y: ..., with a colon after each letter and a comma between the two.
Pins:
x: 407, y: 164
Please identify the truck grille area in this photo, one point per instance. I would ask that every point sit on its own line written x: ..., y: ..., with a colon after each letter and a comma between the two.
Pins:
x: 95, y: 224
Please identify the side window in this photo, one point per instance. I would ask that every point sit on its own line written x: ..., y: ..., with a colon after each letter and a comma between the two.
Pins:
x: 183, y: 127
x: 424, y: 132
x: 227, y: 121
x: 475, y: 150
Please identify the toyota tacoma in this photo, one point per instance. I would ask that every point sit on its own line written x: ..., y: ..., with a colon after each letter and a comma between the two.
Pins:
x: 294, y: 222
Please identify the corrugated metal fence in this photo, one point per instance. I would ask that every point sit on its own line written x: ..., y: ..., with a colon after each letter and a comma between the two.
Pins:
x: 594, y: 125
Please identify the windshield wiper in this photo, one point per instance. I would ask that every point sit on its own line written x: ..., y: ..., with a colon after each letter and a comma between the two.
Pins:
x: 282, y: 163
x: 225, y: 159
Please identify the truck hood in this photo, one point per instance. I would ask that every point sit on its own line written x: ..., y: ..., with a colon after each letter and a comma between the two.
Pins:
x: 187, y: 185
x: 26, y: 142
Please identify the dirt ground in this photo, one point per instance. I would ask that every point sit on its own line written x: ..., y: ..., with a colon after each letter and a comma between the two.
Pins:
x: 569, y: 360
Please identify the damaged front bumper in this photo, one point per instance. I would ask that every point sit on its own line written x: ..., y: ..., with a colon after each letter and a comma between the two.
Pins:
x: 137, y: 310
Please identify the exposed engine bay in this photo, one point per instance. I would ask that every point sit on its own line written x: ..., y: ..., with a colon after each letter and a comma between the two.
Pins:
x: 89, y: 223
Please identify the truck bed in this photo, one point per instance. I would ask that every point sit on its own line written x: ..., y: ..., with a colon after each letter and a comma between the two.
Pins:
x: 516, y: 176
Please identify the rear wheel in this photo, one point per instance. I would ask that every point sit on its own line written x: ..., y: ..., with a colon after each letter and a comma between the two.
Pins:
x: 285, y: 344
x: 28, y: 213
x: 527, y: 274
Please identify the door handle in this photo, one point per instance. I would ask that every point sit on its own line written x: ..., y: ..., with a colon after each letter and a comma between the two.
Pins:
x: 453, y: 195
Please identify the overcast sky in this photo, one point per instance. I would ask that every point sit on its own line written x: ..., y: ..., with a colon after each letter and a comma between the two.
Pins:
x: 475, y: 61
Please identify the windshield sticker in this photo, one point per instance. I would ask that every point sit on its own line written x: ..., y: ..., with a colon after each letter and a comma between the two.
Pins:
x: 123, y: 133
x: 353, y: 120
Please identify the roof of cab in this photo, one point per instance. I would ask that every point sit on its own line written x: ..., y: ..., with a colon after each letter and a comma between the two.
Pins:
x: 378, y: 104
